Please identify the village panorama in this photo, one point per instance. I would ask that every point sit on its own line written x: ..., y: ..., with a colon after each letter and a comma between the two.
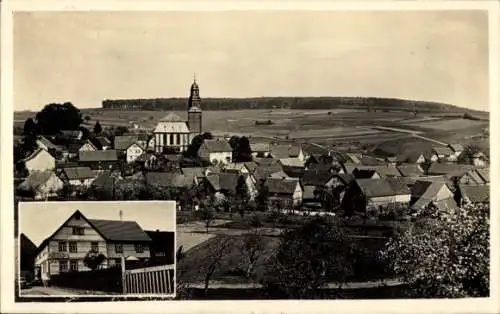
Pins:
x: 280, y: 198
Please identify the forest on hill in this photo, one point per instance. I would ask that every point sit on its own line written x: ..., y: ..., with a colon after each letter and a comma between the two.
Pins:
x: 363, y: 103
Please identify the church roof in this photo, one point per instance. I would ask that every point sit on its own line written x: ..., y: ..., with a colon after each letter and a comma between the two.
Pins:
x: 172, y: 123
x: 172, y: 117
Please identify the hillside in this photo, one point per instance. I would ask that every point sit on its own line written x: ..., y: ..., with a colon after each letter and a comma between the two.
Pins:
x: 378, y: 104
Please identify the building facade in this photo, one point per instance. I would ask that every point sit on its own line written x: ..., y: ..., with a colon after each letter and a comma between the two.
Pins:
x: 65, y: 250
x: 39, y: 160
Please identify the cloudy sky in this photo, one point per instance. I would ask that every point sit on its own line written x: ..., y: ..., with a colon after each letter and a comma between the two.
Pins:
x: 88, y: 57
x: 38, y: 220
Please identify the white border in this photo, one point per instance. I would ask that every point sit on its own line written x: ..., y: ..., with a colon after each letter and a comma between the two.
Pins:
x: 172, y: 204
x: 487, y: 305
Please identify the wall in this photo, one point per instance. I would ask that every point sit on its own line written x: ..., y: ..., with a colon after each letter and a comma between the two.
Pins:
x: 221, y: 157
x: 85, y: 182
x: 128, y: 250
x: 386, y: 200
x: 133, y: 152
x: 42, y: 161
x: 297, y: 195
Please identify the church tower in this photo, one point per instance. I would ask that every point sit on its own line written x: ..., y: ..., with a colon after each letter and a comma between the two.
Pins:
x: 194, y: 111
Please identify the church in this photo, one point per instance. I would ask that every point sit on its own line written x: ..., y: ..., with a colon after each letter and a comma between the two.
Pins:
x: 172, y: 133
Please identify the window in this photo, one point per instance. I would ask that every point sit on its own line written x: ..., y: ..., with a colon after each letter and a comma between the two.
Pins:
x: 94, y: 247
x: 78, y: 231
x: 73, y: 265
x: 73, y: 247
x: 63, y: 266
x: 139, y: 248
x: 118, y: 248
x: 178, y: 138
x: 62, y: 247
x: 171, y: 139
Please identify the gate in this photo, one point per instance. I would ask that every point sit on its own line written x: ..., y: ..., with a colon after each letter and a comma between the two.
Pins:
x: 150, y: 280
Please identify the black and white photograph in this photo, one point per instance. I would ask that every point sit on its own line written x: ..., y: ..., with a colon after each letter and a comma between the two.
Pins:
x: 254, y: 154
x: 75, y: 249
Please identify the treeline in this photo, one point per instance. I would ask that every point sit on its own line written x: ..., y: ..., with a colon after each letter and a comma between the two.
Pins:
x: 283, y: 102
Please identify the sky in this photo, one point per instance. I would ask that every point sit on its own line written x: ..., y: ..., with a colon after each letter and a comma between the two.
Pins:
x: 86, y: 57
x: 39, y: 220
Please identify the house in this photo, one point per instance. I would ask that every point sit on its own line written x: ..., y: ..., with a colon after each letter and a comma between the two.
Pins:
x: 263, y: 171
x: 239, y: 167
x: 311, y: 198
x: 216, y: 151
x: 87, y: 146
x: 364, y: 195
x: 71, y: 151
x: 148, y: 161
x: 410, y: 170
x: 44, y: 143
x: 103, y: 142
x: 441, y: 153
x: 134, y: 151
x: 411, y: 157
x: 424, y: 193
x: 173, y: 180
x: 106, y: 182
x: 457, y: 149
x: 480, y: 159
x: 99, y: 159
x: 65, y: 249
x: 194, y: 174
x: 72, y: 134
x: 77, y: 176
x: 40, y: 185
x: 284, y: 194
x: 479, y: 176
x: 260, y: 149
x: 449, y: 170
x: 474, y: 194
x: 280, y: 151
x: 221, y: 183
x: 316, y: 178
x: 293, y: 167
x: 39, y: 160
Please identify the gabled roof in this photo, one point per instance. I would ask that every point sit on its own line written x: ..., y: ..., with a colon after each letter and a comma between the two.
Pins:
x: 78, y: 173
x: 223, y: 181
x: 266, y: 161
x: 382, y: 187
x: 484, y: 173
x: 215, y: 146
x: 427, y: 192
x: 475, y: 178
x: 445, y: 205
x: 280, y: 174
x: 457, y: 147
x: 116, y: 230
x: 251, y: 166
x: 264, y: 171
x: 234, y: 166
x: 382, y: 170
x: 475, y: 193
x: 449, y: 169
x: 138, y: 145
x: 123, y: 142
x: 35, y: 179
x: 370, y: 161
x: 48, y: 143
x: 442, y: 150
x: 353, y: 158
x: 281, y: 186
x: 167, y: 179
x: 98, y: 155
x: 105, y: 179
x: 90, y: 143
x: 171, y: 123
x: 410, y: 157
x: 344, y: 177
x: 364, y: 173
x: 279, y: 151
x: 316, y: 178
x: 103, y: 141
x: 259, y: 147
x: 172, y: 117
x: 410, y: 170
x: 292, y: 162
x: 35, y: 153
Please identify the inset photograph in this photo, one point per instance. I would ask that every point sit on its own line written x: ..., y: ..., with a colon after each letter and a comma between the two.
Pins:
x: 71, y: 249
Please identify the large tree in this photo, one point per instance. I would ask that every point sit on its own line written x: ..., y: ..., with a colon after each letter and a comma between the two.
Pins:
x: 97, y: 128
x: 308, y: 258
x: 446, y: 255
x: 466, y: 157
x: 241, y: 149
x: 30, y: 127
x: 56, y: 117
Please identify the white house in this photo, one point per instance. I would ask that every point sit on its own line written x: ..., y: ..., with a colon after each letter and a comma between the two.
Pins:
x: 39, y: 160
x: 134, y: 151
x: 65, y: 249
x: 87, y: 146
x: 78, y: 176
x: 41, y: 185
x: 216, y: 151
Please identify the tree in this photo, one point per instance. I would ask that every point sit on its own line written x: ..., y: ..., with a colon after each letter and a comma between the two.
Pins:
x: 87, y: 118
x: 241, y: 149
x: 192, y: 150
x: 251, y: 249
x: 446, y: 255
x: 262, y: 198
x: 30, y: 127
x: 120, y: 130
x: 308, y: 258
x: 56, y: 117
x: 207, y: 212
x: 93, y: 259
x: 217, y: 247
x: 466, y: 157
x: 242, y: 194
x: 97, y: 128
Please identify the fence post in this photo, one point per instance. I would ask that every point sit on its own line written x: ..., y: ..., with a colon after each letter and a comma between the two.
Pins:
x: 124, y: 281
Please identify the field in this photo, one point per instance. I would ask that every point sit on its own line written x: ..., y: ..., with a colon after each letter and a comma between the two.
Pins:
x: 340, y: 128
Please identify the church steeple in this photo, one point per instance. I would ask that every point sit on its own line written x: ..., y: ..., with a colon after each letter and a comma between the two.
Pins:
x: 194, y: 96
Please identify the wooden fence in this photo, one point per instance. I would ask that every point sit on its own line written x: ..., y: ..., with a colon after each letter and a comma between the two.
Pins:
x: 149, y: 280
